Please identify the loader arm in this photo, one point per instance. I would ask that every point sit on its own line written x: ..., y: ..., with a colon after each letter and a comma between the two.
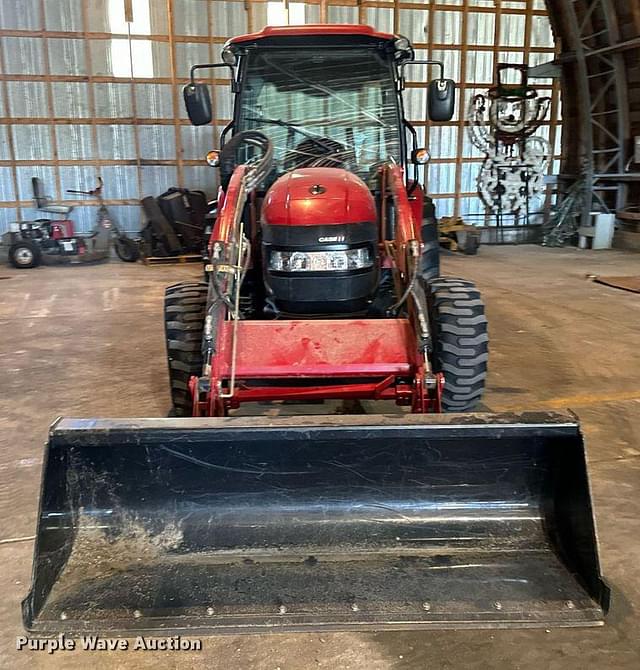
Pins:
x: 244, y: 359
x: 408, y: 238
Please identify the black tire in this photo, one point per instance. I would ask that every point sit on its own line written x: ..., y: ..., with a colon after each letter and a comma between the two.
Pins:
x: 430, y: 263
x: 127, y: 250
x: 184, y: 313
x: 461, y: 342
x: 471, y: 244
x: 25, y: 254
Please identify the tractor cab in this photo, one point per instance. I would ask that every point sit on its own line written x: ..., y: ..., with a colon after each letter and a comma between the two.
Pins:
x: 328, y: 101
x: 323, y: 107
x: 326, y: 96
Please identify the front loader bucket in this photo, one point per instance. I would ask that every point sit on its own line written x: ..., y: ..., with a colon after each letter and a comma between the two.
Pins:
x: 312, y: 523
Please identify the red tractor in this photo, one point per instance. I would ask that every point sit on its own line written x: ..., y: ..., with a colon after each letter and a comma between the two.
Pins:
x: 322, y: 283
x: 323, y: 273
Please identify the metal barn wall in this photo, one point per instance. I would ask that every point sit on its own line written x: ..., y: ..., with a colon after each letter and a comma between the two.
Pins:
x: 86, y: 91
x: 599, y: 42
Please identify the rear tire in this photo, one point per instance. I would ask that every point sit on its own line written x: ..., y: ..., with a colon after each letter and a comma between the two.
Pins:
x: 461, y: 342
x: 430, y: 262
x: 25, y: 254
x: 185, y: 306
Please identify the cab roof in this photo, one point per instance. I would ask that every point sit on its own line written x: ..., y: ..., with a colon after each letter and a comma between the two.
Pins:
x: 319, y: 30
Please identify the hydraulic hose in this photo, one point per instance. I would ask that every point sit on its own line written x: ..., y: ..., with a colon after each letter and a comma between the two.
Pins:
x: 414, y: 257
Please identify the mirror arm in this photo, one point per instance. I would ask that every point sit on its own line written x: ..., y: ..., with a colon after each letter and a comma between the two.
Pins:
x: 204, y: 66
x: 439, y: 63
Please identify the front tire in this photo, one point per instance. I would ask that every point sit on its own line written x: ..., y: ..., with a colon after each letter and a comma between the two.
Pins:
x: 461, y: 342
x: 185, y: 306
x: 127, y: 250
x: 25, y: 254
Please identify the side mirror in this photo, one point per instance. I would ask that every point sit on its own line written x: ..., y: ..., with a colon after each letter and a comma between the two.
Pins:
x: 441, y: 99
x: 198, y: 103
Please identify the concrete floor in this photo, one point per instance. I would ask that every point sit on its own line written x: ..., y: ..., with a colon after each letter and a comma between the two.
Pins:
x: 87, y: 341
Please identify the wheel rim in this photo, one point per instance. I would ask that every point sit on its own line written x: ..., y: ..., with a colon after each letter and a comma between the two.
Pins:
x: 23, y: 256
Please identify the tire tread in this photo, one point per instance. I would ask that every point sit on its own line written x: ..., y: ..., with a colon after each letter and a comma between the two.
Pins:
x: 184, y: 313
x: 461, y: 341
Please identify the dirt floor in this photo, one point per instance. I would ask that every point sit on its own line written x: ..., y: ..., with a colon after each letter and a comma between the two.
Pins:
x: 88, y: 341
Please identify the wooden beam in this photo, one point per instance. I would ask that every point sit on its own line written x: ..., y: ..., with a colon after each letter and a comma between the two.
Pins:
x: 324, y: 11
x: 9, y: 131
x: 175, y: 100
x: 461, y: 106
x: 50, y: 110
x: 128, y: 10
x: 91, y: 94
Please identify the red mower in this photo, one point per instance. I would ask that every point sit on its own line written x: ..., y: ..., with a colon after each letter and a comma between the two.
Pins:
x: 52, y: 241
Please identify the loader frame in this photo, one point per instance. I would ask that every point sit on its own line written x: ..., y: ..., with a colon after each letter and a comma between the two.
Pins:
x: 247, y: 364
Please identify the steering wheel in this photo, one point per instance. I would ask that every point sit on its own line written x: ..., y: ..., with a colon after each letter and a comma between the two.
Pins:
x: 309, y: 153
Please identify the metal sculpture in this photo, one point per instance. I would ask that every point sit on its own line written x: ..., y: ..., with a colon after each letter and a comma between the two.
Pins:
x: 502, y: 123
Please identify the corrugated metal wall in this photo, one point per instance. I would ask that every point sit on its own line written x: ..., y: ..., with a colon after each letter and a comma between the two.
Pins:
x: 85, y: 92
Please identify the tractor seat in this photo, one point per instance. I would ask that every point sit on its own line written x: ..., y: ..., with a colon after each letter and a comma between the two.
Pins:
x: 309, y: 154
x: 55, y: 209
x: 44, y: 203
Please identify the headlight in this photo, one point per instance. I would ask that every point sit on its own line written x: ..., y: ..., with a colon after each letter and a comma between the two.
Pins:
x: 320, y: 261
x: 213, y: 158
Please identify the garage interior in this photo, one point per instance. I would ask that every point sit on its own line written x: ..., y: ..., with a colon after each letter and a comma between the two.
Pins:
x: 93, y: 89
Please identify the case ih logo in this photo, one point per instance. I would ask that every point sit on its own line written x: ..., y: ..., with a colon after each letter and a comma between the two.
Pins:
x: 332, y: 238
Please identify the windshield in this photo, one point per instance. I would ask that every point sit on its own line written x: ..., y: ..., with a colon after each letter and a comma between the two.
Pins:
x: 336, y: 109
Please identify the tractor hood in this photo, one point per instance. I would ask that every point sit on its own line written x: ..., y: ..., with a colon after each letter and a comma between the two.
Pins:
x: 318, y: 197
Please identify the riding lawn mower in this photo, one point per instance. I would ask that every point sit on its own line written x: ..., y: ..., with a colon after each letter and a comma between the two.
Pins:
x: 322, y: 283
x: 456, y: 235
x: 55, y: 241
